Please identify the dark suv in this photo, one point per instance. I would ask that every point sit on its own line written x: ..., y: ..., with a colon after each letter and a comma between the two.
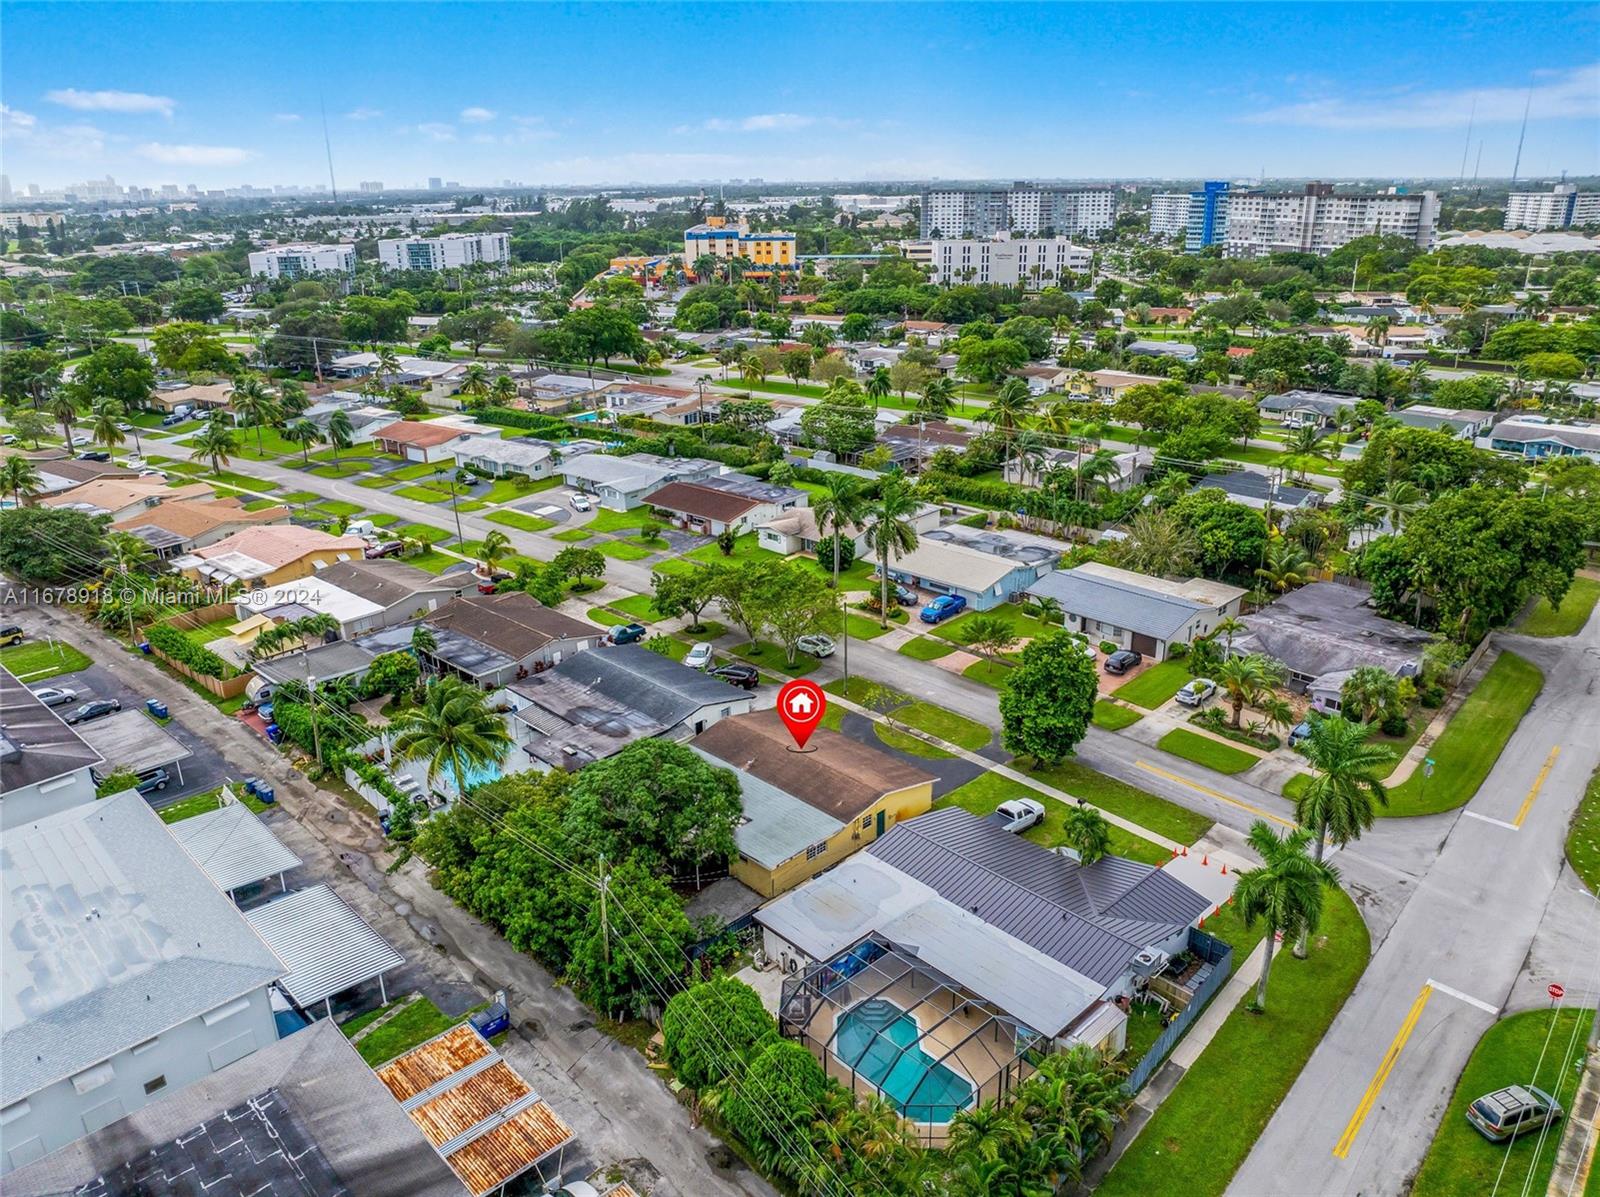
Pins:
x: 746, y: 677
x: 1123, y: 660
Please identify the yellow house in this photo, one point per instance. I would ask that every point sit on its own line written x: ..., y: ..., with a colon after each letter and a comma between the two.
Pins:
x: 804, y: 812
x: 268, y: 555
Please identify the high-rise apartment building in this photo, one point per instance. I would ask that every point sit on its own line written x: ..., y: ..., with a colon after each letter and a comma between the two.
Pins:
x: 1318, y: 221
x: 1207, y: 221
x: 718, y: 238
x: 435, y: 183
x: 372, y: 185
x: 1022, y: 208
x: 445, y: 252
x: 1002, y: 260
x: 1562, y: 207
x: 301, y: 261
x: 1169, y: 213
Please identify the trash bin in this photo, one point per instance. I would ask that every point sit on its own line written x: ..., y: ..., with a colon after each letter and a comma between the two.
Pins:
x: 274, y: 734
x: 144, y: 647
x: 156, y: 707
x: 491, y: 1021
x: 264, y: 792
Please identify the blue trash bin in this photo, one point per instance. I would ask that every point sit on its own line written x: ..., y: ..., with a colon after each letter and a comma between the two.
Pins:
x: 274, y: 734
x: 144, y: 647
x: 156, y: 707
x: 265, y: 793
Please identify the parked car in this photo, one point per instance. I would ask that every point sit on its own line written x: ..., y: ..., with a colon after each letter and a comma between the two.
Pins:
x: 1088, y: 649
x: 94, y: 455
x: 943, y: 608
x: 903, y: 595
x: 383, y: 548
x: 172, y: 419
x: 133, y: 463
x: 97, y: 709
x: 1516, y: 1110
x: 699, y: 656
x: 581, y: 503
x: 155, y: 779
x: 746, y: 677
x: 77, y: 442
x: 626, y: 633
x: 55, y: 696
x: 1197, y: 693
x: 817, y: 645
x: 1123, y: 660
x: 11, y: 633
x: 1018, y: 814
x: 8, y: 439
x: 1299, y: 734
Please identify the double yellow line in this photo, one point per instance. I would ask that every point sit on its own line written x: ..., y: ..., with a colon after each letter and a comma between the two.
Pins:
x: 1538, y: 784
x: 1341, y: 1149
x: 1217, y: 794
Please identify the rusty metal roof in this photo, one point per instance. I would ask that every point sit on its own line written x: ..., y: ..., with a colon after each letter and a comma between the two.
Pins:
x: 510, y: 1149
x: 425, y: 1066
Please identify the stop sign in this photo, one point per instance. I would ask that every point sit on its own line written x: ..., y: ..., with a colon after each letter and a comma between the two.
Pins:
x: 1557, y: 992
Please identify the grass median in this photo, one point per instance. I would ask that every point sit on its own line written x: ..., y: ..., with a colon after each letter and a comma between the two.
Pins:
x: 1567, y: 619
x: 1472, y: 742
x: 1208, y: 1124
x: 1583, y: 839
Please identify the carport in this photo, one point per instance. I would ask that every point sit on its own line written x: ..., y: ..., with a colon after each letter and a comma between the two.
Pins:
x: 327, y: 947
x: 133, y: 740
x: 233, y: 847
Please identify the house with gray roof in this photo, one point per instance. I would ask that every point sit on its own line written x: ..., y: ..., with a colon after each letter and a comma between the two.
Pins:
x: 1462, y: 423
x: 1308, y: 409
x: 1182, y: 350
x: 594, y: 704
x: 622, y: 483
x: 500, y: 458
x: 45, y: 765
x: 1137, y: 611
x: 1327, y: 628
x: 1259, y: 490
x: 1535, y: 437
x: 127, y: 974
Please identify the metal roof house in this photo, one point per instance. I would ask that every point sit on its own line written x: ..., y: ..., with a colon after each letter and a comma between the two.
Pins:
x: 326, y: 946
x: 927, y: 967
x: 303, y: 1115
x: 126, y: 975
x: 1137, y: 611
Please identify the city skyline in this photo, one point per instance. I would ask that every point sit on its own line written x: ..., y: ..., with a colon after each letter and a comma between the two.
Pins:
x: 554, y: 99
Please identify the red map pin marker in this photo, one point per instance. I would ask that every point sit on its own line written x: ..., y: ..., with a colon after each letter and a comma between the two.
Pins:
x: 800, y: 706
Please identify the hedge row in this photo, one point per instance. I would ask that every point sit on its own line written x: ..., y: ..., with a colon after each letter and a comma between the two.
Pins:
x: 175, y: 645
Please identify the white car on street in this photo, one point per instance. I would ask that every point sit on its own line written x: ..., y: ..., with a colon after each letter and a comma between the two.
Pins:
x: 817, y: 645
x: 1197, y: 693
x: 699, y: 656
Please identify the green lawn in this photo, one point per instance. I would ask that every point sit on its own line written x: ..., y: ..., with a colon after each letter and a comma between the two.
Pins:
x: 1472, y: 742
x: 1155, y: 685
x: 606, y: 520
x: 1583, y: 839
x: 771, y: 658
x: 983, y: 793
x: 570, y: 536
x: 229, y: 478
x: 433, y: 561
x: 199, y: 804
x: 376, y: 482
x: 34, y: 661
x: 1139, y: 806
x: 1113, y: 716
x: 343, y: 470
x: 413, y: 473
x: 959, y: 629
x: 894, y: 738
x: 260, y: 504
x: 339, y: 507
x: 926, y: 648
x: 383, y: 519
x: 518, y: 519
x: 675, y: 648
x: 1573, y: 613
x: 207, y: 632
x: 1206, y: 1127
x: 1296, y: 786
x: 863, y: 628
x: 625, y: 550
x: 936, y: 721
x: 745, y: 548
x: 504, y: 490
x: 417, y: 1023
x: 1203, y: 750
x: 1461, y: 1162
x: 421, y: 494
x: 866, y: 692
x: 637, y: 606
x: 426, y: 533
x: 995, y: 674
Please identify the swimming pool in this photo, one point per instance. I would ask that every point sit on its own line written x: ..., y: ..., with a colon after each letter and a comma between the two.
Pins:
x: 877, y: 1039
x: 477, y: 775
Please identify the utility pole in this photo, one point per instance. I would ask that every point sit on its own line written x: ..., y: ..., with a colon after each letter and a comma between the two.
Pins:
x: 1467, y: 148
x: 311, y: 705
x: 605, y: 922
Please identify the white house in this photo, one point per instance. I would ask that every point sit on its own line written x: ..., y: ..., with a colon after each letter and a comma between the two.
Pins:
x: 500, y: 458
x: 1136, y: 611
x: 621, y: 483
x: 733, y: 502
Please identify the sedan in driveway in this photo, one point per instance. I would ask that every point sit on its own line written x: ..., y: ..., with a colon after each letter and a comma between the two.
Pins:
x: 53, y: 696
x: 93, y: 710
x: 1123, y: 660
x: 1197, y: 693
x: 581, y: 503
x: 817, y: 645
x: 746, y: 677
x: 943, y: 608
x: 1018, y: 814
x: 699, y: 656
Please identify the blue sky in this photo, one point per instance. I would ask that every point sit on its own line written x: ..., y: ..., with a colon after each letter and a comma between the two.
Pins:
x: 220, y: 94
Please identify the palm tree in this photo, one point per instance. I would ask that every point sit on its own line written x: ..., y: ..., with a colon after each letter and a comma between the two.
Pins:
x: 1287, y: 566
x: 838, y: 508
x: 215, y: 441
x: 495, y: 547
x: 504, y: 391
x: 891, y: 532
x: 1247, y: 678
x: 389, y: 363
x: 18, y: 475
x: 1371, y: 690
x: 1229, y: 626
x: 65, y: 409
x: 255, y: 403
x: 475, y: 381
x: 422, y: 641
x: 878, y: 387
x: 1156, y: 544
x: 1087, y: 832
x: 106, y: 427
x: 1097, y: 472
x: 1009, y: 409
x: 291, y: 398
x: 1378, y: 329
x: 937, y: 398
x: 1338, y: 801
x: 1398, y: 500
x: 454, y: 728
x: 340, y: 433
x: 1047, y: 610
x: 126, y: 555
x: 986, y: 1133
x: 1285, y: 892
x: 1304, y: 445
x: 305, y: 434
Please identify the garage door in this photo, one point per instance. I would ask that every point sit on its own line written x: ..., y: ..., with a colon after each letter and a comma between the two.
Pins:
x: 1144, y: 644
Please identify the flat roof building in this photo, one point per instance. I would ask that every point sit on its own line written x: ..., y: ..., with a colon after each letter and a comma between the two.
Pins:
x: 46, y: 766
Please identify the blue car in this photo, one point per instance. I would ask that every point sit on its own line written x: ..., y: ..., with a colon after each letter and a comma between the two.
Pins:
x: 943, y: 608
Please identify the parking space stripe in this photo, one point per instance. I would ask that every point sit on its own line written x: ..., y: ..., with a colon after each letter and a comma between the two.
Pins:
x: 1341, y: 1149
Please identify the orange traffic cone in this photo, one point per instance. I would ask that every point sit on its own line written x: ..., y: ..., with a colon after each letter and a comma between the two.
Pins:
x: 1174, y: 849
x: 1186, y: 849
x: 1201, y: 925
x: 1207, y: 860
x: 1224, y: 868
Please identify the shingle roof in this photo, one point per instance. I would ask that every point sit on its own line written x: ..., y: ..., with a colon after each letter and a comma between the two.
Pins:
x: 704, y: 501
x: 513, y: 622
x: 420, y: 433
x: 189, y: 518
x: 277, y: 545
x: 387, y: 582
x: 511, y: 453
x: 1151, y: 606
x: 1093, y: 919
x: 163, y: 945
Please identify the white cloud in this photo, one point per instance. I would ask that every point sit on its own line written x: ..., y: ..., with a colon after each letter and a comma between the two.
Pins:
x: 1568, y: 94
x: 195, y: 155
x: 485, y: 139
x: 437, y: 130
x: 16, y: 123
x: 760, y: 122
x: 477, y: 116
x: 363, y: 114
x: 286, y: 116
x: 111, y: 101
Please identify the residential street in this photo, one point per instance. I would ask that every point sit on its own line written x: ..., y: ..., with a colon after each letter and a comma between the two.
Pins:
x: 1362, y: 1114
x: 620, y: 1111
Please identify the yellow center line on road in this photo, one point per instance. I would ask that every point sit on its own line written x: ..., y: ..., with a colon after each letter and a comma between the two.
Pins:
x: 1538, y: 784
x: 1341, y: 1149
x: 1217, y: 794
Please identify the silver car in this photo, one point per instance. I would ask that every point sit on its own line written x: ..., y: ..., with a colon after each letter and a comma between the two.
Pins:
x: 817, y: 645
x: 54, y: 696
x: 699, y: 656
x: 1197, y: 693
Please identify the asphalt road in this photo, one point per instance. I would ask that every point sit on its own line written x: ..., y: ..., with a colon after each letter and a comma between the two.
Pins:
x: 1361, y: 1115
